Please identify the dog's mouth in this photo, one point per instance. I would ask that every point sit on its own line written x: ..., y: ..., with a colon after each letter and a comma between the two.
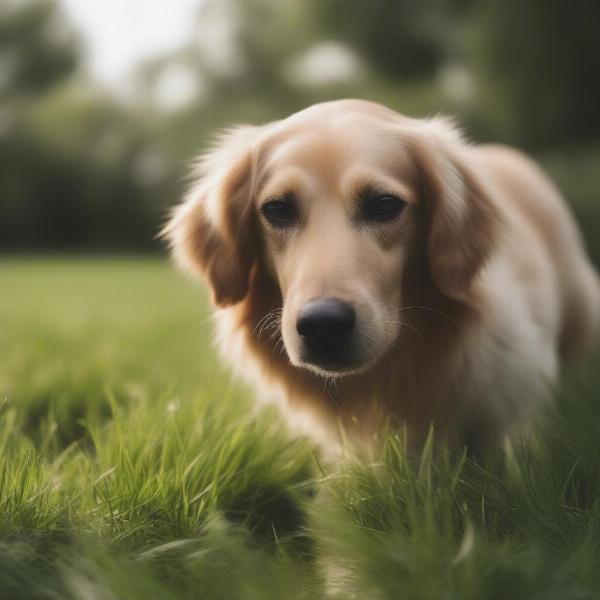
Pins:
x: 332, y: 360
x: 333, y: 357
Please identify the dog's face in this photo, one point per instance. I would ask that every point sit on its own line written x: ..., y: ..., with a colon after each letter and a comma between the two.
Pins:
x: 335, y: 213
x: 334, y: 203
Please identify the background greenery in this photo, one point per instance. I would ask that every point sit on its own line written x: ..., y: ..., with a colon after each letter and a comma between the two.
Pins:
x: 131, y: 466
x: 81, y: 167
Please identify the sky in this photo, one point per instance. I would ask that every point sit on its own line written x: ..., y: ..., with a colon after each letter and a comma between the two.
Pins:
x: 117, y: 34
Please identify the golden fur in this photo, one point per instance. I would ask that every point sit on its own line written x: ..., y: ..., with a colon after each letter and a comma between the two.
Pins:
x: 465, y: 304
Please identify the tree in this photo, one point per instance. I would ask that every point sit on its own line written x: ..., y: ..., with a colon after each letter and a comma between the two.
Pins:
x: 403, y: 39
x: 37, y: 50
x: 545, y: 57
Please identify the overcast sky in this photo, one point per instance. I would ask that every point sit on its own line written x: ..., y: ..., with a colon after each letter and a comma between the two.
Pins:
x: 119, y: 33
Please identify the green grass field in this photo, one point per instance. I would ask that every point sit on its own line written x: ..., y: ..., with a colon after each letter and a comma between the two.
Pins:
x: 132, y: 467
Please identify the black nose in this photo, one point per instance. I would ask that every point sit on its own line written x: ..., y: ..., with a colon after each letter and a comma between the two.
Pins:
x: 325, y: 322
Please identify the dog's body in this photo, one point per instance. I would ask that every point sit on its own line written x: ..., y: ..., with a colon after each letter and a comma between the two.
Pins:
x: 413, y: 277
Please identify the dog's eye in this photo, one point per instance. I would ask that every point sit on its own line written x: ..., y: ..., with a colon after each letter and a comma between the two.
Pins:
x: 280, y: 213
x: 381, y: 208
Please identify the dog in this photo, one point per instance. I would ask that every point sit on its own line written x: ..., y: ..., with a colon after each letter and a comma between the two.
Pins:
x: 375, y: 268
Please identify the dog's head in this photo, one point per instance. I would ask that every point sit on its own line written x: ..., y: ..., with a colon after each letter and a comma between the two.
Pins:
x: 338, y: 204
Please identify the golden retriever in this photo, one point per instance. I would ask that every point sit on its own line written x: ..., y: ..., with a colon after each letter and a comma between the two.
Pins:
x: 375, y: 267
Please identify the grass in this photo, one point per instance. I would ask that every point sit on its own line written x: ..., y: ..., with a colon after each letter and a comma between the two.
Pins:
x: 132, y: 467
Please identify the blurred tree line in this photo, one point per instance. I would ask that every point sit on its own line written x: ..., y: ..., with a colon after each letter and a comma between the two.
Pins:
x: 83, y: 169
x: 72, y: 160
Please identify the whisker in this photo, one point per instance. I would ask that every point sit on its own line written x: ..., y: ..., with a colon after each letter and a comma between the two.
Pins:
x: 411, y: 327
x: 421, y: 336
x: 271, y: 320
x: 430, y: 309
x: 278, y: 343
x: 330, y: 387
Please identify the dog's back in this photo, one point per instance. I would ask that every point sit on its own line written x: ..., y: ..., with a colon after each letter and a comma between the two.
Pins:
x: 540, y: 207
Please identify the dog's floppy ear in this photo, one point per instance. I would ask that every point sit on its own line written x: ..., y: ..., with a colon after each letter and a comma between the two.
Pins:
x: 212, y: 232
x: 463, y: 222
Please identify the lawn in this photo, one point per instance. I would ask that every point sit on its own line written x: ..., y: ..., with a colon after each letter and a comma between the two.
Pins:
x: 134, y: 467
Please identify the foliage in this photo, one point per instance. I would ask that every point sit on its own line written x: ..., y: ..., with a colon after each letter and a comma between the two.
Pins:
x: 36, y: 48
x: 78, y: 171
x: 408, y: 39
x: 83, y: 168
x: 545, y: 62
